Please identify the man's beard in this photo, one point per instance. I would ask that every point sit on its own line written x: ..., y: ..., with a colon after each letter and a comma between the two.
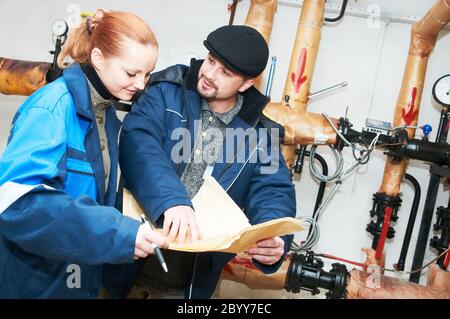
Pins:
x: 209, y: 93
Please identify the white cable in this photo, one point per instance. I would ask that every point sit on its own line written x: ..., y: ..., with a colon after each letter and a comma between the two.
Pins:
x: 339, y: 133
x: 339, y: 165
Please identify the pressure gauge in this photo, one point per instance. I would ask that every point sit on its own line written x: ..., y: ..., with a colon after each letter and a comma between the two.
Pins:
x: 60, y: 28
x: 441, y: 90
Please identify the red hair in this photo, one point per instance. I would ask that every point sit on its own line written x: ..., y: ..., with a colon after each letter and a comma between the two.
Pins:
x: 105, y: 30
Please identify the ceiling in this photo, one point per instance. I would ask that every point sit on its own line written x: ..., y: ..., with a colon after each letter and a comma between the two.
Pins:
x: 405, y: 8
x: 392, y: 7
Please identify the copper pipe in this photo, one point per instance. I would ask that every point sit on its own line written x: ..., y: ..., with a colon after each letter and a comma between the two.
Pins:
x: 363, y: 285
x: 423, y: 40
x: 260, y: 16
x: 241, y: 269
x: 300, y: 126
x: 21, y: 77
x: 304, y: 54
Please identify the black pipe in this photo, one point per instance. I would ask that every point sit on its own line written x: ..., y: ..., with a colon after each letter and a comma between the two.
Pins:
x: 301, y: 153
x: 430, y: 201
x: 233, y: 11
x: 341, y: 14
x: 322, y: 184
x: 437, y: 153
x: 412, y: 218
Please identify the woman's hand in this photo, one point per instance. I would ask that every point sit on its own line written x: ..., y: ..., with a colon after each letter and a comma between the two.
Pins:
x: 146, y: 239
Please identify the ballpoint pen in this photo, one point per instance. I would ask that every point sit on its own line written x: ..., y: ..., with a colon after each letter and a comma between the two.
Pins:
x: 158, y: 252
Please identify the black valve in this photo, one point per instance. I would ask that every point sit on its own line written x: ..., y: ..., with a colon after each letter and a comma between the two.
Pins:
x: 380, y: 202
x: 305, y: 273
x: 441, y: 243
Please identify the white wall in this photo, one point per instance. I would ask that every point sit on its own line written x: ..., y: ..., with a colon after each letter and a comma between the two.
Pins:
x: 347, y: 53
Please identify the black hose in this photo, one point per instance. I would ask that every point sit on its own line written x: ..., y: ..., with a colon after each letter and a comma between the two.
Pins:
x: 412, y: 218
x: 341, y: 14
x: 322, y: 185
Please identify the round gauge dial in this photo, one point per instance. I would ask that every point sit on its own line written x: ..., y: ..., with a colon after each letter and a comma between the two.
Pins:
x: 441, y: 90
x: 59, y: 27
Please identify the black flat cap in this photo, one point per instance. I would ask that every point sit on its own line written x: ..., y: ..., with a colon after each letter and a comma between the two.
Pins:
x: 240, y: 48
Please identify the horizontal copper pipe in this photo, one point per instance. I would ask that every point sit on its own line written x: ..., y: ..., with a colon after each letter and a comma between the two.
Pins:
x: 301, y: 127
x: 361, y: 285
x: 365, y: 285
x: 19, y: 77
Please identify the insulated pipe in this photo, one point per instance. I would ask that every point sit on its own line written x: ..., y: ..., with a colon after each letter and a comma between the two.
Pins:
x: 360, y: 284
x: 302, y: 127
x: 304, y: 54
x: 19, y: 77
x: 363, y: 285
x: 423, y: 40
x: 260, y: 16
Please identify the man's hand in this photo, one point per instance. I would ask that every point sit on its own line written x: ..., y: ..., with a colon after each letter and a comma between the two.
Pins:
x: 268, y: 251
x: 180, y: 221
x: 145, y: 239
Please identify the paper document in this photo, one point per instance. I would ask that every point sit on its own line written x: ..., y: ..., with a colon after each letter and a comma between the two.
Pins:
x: 222, y: 223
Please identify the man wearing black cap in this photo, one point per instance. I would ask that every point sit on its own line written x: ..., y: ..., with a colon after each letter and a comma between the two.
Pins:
x: 181, y: 129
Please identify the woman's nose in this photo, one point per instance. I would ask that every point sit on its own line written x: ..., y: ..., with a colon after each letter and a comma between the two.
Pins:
x: 140, y: 82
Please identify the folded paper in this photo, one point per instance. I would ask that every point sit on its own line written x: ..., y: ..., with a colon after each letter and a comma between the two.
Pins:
x: 223, y: 225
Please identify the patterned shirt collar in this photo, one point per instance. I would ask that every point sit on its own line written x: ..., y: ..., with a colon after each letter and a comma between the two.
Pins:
x: 226, y: 117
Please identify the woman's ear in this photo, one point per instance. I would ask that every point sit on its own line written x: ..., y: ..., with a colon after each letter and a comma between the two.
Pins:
x: 97, y: 59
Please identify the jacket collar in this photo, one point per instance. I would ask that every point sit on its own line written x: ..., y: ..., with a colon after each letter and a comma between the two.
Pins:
x: 254, y: 101
x: 96, y: 82
x: 78, y: 86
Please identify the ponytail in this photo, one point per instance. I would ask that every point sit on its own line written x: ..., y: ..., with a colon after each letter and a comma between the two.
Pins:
x: 104, y: 30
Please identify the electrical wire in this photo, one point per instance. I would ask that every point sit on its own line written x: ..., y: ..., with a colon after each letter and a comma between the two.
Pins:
x: 339, y: 133
x: 328, y: 256
x: 314, y: 235
x: 363, y: 159
x: 316, y: 172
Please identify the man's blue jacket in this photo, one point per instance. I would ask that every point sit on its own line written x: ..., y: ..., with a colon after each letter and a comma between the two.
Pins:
x: 56, y: 235
x: 253, y: 173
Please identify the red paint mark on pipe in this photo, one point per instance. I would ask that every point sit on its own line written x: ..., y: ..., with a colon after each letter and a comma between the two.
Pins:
x: 384, y: 232
x: 245, y: 262
x: 228, y: 269
x: 409, y: 114
x: 297, y: 78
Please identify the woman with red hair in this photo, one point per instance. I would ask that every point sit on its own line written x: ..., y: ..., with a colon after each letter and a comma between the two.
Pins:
x: 58, y: 174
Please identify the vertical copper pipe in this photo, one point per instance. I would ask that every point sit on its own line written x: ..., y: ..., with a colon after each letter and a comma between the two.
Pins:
x: 423, y: 40
x: 304, y: 54
x: 302, y: 127
x: 260, y: 16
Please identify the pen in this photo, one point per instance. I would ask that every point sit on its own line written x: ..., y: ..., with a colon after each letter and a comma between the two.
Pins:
x: 158, y: 252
